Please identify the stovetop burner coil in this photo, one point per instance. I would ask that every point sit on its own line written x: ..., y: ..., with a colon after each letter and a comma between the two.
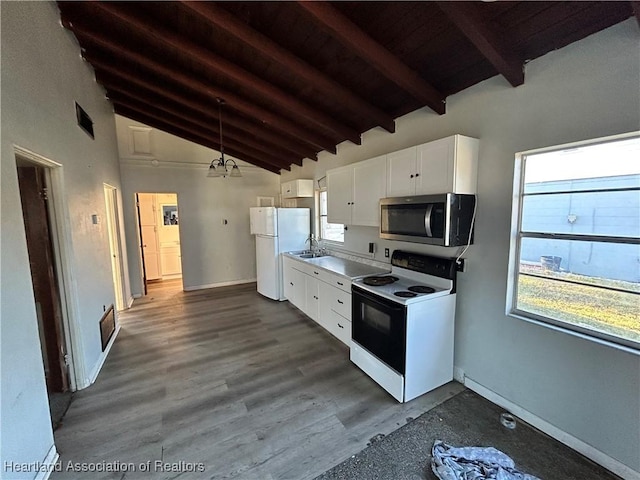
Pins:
x: 421, y: 289
x: 378, y: 281
x: 405, y: 294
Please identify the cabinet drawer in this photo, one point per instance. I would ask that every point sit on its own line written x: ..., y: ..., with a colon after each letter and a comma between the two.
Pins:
x: 340, y: 328
x: 338, y: 281
x: 341, y: 302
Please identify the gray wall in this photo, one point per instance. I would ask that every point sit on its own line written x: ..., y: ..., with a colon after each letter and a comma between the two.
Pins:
x: 601, y: 213
x: 42, y: 76
x: 586, y: 90
x: 212, y: 253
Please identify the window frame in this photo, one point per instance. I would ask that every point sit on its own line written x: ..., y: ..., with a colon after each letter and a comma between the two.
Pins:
x: 515, y: 240
x: 318, y: 221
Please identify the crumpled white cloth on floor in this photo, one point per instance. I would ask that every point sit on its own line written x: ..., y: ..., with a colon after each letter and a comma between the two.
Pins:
x: 473, y: 463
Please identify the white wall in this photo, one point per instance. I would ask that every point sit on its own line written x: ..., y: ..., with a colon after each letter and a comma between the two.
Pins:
x: 42, y: 76
x: 212, y: 253
x: 586, y: 90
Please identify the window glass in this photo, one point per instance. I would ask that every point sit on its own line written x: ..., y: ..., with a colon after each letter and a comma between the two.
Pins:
x: 333, y: 232
x: 578, y: 240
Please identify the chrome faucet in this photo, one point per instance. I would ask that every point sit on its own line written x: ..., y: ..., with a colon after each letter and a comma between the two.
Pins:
x: 311, y: 241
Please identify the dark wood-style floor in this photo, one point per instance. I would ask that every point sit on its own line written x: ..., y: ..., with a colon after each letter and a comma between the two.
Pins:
x: 250, y: 387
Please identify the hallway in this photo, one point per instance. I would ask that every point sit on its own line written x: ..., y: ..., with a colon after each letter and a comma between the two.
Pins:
x: 249, y: 387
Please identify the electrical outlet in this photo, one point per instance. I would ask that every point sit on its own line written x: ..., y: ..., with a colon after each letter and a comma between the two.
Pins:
x: 460, y: 265
x: 386, y: 253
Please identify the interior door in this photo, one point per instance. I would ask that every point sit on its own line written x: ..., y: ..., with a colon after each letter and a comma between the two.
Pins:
x: 33, y: 196
x: 149, y: 231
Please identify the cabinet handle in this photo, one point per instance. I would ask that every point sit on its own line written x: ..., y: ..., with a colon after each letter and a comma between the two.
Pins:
x: 315, y: 297
x: 340, y: 326
x: 412, y: 176
x: 340, y: 283
x: 316, y: 272
x: 417, y: 175
x: 291, y: 283
x: 340, y: 302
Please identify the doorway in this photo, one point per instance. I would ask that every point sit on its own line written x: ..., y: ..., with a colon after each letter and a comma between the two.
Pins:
x: 111, y: 203
x: 34, y: 197
x: 159, y: 226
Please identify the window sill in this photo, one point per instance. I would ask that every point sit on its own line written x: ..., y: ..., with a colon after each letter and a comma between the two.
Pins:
x: 546, y: 323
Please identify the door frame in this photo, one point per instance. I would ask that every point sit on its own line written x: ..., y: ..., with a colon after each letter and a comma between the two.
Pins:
x: 115, y: 245
x: 60, y: 232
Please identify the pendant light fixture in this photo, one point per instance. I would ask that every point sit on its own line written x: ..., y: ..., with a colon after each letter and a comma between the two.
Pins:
x: 220, y: 167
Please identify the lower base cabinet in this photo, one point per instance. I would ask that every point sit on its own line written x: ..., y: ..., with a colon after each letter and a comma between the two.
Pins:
x: 326, y: 304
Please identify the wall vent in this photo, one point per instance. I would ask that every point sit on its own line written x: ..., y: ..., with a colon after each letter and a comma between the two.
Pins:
x: 107, y: 326
x: 84, y: 121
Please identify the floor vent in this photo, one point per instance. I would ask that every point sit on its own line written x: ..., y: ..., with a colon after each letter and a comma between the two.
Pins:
x: 107, y: 326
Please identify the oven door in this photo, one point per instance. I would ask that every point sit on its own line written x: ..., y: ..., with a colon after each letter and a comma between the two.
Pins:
x: 380, y: 326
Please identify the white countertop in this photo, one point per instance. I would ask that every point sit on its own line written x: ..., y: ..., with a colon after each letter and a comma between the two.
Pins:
x: 342, y: 266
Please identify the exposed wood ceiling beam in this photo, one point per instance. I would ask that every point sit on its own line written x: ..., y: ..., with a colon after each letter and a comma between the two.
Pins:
x: 179, y: 119
x: 179, y: 132
x: 233, y: 101
x: 354, y: 38
x: 197, y: 115
x: 265, y: 46
x: 636, y: 10
x: 155, y: 33
x: 469, y: 20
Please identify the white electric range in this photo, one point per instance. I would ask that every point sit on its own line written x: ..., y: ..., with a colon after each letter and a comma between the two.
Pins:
x: 403, y: 324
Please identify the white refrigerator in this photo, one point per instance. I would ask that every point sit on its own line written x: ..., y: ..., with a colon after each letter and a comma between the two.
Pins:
x: 277, y: 230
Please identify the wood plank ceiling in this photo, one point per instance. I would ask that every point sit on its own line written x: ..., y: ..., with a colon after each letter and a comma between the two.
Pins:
x: 297, y: 78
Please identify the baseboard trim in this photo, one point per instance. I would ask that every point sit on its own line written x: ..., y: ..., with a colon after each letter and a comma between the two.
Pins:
x: 219, y: 284
x: 96, y: 370
x: 576, y: 444
x: 48, y: 464
x: 130, y: 301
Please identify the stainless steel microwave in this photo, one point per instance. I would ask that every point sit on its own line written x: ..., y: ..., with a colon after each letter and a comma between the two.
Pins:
x: 444, y: 219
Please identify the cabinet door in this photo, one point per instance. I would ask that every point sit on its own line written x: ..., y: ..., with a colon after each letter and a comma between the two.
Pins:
x: 170, y: 260
x: 339, y: 186
x: 435, y: 167
x: 369, y: 186
x: 287, y: 190
x: 288, y: 278
x: 312, y: 303
x: 401, y: 172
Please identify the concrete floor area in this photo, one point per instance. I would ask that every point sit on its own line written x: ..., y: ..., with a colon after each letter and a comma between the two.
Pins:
x: 464, y: 420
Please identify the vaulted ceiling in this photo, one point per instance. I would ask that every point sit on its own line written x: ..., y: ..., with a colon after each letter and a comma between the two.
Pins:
x: 297, y: 78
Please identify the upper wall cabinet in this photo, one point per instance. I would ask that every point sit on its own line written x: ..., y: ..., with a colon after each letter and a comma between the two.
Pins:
x: 446, y: 165
x: 297, y: 189
x: 354, y: 192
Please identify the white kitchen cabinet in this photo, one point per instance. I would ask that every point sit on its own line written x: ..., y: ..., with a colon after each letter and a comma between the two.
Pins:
x: 335, y: 311
x: 294, y: 283
x: 339, y: 195
x: 401, y: 171
x: 312, y: 303
x: 323, y: 296
x: 354, y: 192
x: 299, y: 188
x: 339, y: 327
x: 369, y: 186
x: 446, y: 165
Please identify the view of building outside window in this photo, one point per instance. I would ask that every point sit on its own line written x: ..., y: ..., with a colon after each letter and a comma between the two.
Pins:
x: 579, y: 238
x: 333, y: 232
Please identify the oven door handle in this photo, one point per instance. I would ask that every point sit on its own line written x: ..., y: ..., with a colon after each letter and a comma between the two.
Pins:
x: 375, y: 300
x: 427, y: 220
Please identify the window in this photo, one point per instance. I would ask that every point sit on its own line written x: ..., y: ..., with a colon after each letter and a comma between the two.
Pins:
x: 333, y: 232
x: 575, y: 253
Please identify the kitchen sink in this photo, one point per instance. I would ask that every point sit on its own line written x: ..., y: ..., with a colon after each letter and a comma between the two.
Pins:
x: 312, y: 255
